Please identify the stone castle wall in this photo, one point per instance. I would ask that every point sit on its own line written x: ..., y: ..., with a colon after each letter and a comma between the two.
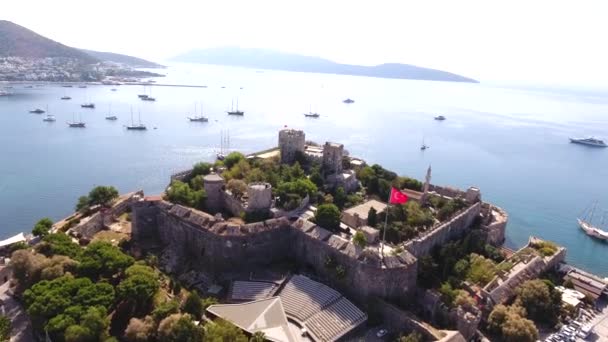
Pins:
x: 291, y: 141
x: 218, y: 246
x: 98, y: 221
x: 495, y: 224
x: 450, y: 230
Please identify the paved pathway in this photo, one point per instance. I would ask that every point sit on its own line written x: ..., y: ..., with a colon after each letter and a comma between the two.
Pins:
x: 21, y: 325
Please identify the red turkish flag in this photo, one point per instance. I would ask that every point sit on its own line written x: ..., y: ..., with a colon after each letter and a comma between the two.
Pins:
x: 397, y: 197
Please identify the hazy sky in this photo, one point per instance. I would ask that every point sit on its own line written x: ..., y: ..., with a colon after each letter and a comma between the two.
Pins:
x: 533, y: 40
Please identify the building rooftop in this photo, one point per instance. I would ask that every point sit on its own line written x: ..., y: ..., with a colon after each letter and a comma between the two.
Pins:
x: 266, y: 315
x: 213, y: 177
x: 363, y: 209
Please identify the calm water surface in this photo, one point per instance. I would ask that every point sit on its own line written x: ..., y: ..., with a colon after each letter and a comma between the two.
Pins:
x: 512, y: 143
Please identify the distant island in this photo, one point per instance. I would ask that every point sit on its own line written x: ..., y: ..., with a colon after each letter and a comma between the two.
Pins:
x: 274, y: 60
x: 28, y: 56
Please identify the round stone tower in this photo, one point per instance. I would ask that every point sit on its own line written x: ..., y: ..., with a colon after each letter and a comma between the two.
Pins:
x: 259, y: 196
x: 214, y: 185
x: 290, y: 142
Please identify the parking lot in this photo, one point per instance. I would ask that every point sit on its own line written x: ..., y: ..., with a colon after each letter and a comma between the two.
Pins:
x: 591, y: 325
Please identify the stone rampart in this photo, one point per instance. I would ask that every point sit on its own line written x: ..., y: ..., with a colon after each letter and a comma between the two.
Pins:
x: 444, y: 232
x: 181, y: 176
x: 494, y: 224
x: 103, y: 218
x: 232, y: 204
x: 201, y: 241
x: 400, y: 321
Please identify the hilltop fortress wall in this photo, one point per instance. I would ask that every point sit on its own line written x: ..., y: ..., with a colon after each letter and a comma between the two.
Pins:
x: 201, y: 241
x: 454, y: 228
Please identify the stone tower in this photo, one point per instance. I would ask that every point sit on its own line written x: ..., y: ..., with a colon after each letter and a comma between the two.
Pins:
x: 290, y: 142
x: 332, y: 158
x: 425, y: 189
x: 259, y: 196
x: 214, y: 185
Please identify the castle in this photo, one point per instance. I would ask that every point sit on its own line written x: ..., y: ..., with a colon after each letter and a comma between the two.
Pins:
x: 208, y: 242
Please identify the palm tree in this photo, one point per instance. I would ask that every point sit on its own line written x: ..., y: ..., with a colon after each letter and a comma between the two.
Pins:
x: 258, y: 337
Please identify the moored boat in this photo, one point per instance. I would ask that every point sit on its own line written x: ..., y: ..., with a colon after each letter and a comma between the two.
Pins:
x: 591, y: 141
x: 586, y: 223
x: 88, y: 105
x: 49, y: 118
x: 440, y: 118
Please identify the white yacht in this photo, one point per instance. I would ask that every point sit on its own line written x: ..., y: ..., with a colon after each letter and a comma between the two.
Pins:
x: 589, y: 141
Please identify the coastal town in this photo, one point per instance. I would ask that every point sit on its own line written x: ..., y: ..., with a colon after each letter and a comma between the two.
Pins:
x: 300, y: 242
x: 63, y: 69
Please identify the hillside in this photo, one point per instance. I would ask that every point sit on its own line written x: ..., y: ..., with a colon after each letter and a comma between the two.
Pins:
x: 268, y: 59
x: 17, y: 41
x: 134, y: 62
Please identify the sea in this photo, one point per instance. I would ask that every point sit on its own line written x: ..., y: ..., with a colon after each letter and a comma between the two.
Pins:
x: 510, y: 141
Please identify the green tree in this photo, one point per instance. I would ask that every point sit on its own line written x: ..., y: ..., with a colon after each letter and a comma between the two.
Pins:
x: 165, y: 309
x: 42, y: 227
x: 427, y: 271
x: 57, y: 326
x: 83, y: 204
x: 181, y: 193
x: 328, y: 216
x: 207, y: 302
x: 481, y: 270
x: 59, y: 243
x: 232, y: 159
x: 179, y: 327
x: 102, y: 195
x: 201, y: 169
x: 315, y: 176
x: 78, y: 333
x: 5, y: 328
x: 359, y: 239
x: 372, y: 217
x: 193, y: 305
x: 340, y: 197
x: 197, y: 183
x: 519, y: 329
x: 237, y: 187
x: 222, y: 331
x: 102, y: 259
x: 139, y: 287
x: 541, y: 301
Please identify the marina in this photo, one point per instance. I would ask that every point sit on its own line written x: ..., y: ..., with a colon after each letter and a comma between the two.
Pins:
x: 471, y: 148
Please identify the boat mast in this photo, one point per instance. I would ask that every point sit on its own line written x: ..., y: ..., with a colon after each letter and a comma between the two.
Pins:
x: 592, y: 210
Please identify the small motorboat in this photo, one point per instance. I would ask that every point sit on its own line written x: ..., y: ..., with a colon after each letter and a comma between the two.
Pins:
x: 37, y: 111
x: 66, y: 98
x: 111, y: 117
x: 49, y: 118
x: 348, y: 101
x: 88, y: 105
x: 440, y: 118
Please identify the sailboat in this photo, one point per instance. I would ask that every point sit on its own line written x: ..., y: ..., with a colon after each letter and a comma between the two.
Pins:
x: 224, y: 145
x: 198, y: 118
x: 310, y: 114
x: 585, y: 221
x: 110, y: 116
x: 76, y: 124
x: 88, y: 104
x: 49, y: 117
x: 133, y: 126
x: 423, y: 146
x: 147, y: 97
x: 237, y: 111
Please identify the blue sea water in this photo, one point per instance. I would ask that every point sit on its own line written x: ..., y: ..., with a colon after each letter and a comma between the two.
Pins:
x: 510, y: 142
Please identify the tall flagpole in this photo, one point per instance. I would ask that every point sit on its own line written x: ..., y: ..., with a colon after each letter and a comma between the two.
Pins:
x: 388, y: 205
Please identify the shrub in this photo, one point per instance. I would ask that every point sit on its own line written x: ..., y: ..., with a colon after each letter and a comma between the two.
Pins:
x: 359, y: 239
x: 42, y: 227
x: 328, y: 216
